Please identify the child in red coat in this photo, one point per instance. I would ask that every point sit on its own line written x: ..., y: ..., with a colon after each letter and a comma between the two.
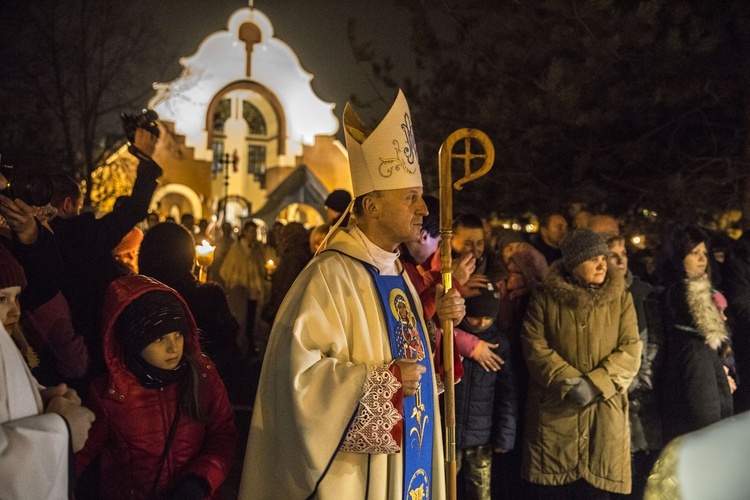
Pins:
x: 164, y: 425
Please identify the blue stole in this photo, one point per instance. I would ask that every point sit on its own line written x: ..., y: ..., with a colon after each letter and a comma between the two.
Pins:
x: 409, y: 341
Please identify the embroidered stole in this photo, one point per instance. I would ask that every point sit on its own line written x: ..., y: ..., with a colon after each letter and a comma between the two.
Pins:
x: 409, y: 341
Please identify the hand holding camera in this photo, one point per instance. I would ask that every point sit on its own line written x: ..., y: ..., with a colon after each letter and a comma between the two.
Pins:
x: 142, y: 132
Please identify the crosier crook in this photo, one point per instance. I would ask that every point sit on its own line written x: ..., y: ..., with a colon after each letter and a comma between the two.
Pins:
x: 446, y: 157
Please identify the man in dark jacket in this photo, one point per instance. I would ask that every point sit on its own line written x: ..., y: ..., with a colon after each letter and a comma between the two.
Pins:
x: 86, y: 242
x: 468, y: 237
x: 552, y: 229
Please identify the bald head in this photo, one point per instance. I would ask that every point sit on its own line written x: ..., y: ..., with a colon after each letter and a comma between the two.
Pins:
x: 604, y: 224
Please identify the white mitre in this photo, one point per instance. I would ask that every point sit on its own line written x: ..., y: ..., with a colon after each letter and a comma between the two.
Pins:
x: 385, y: 158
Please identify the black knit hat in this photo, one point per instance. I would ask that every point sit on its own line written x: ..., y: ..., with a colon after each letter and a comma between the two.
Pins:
x: 580, y: 245
x: 149, y: 317
x: 338, y: 200
x: 487, y: 303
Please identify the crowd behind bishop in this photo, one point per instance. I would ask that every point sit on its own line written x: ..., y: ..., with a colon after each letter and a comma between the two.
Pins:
x: 582, y: 355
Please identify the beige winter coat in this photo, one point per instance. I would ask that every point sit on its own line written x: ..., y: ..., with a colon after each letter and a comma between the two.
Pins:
x: 571, y: 331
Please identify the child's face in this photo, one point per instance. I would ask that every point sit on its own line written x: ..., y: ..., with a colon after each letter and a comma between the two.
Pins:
x: 165, y: 352
x: 478, y: 324
x: 10, y: 311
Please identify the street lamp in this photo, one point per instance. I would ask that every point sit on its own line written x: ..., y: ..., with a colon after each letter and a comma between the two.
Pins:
x: 225, y: 161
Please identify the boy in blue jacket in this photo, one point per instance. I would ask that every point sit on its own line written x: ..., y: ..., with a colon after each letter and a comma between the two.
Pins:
x: 485, y: 399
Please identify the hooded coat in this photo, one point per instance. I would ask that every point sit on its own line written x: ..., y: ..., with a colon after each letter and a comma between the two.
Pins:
x: 571, y: 331
x: 133, y: 422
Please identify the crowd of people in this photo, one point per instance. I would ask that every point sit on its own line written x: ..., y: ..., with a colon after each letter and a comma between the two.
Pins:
x: 575, y: 365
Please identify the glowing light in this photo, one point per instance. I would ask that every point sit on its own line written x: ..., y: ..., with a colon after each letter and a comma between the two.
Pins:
x: 270, y: 268
x: 220, y: 61
x: 637, y: 240
x: 204, y: 255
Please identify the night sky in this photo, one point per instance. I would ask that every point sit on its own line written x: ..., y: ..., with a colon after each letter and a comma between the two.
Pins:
x: 315, y: 29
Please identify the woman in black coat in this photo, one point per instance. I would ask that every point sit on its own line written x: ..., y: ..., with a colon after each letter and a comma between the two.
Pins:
x: 695, y: 386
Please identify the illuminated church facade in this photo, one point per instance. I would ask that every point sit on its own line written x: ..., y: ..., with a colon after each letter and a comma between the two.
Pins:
x: 244, y: 132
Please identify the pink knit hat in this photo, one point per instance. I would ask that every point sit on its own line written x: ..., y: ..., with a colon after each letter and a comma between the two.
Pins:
x: 11, y: 272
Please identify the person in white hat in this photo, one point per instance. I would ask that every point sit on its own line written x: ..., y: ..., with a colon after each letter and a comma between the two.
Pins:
x: 347, y: 404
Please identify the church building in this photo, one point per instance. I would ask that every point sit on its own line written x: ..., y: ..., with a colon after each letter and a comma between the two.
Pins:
x: 244, y: 133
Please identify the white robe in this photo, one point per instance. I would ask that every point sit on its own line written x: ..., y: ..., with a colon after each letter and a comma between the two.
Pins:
x: 33, y: 445
x: 710, y: 463
x: 329, y: 333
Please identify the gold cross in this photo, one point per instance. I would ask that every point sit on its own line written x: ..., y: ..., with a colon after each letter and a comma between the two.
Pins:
x: 467, y: 156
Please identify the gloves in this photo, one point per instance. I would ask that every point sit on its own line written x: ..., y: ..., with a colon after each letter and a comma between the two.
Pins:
x: 583, y: 391
x: 191, y: 487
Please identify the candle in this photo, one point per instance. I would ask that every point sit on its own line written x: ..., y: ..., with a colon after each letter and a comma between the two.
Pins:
x: 270, y: 268
x: 204, y: 255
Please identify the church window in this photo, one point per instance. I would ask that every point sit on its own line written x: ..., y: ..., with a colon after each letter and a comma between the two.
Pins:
x: 256, y: 163
x: 222, y: 113
x: 255, y: 122
x: 217, y: 167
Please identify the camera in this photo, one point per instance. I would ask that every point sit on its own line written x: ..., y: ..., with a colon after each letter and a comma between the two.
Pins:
x: 145, y: 120
x: 34, y: 189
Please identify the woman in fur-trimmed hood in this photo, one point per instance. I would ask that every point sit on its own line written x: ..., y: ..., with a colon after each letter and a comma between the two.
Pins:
x: 582, y: 349
x: 695, y: 388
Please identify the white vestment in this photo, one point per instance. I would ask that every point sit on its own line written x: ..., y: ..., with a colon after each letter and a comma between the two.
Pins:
x: 33, y: 445
x: 328, y: 338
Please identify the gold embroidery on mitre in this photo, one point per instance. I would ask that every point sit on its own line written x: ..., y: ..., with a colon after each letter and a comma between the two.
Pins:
x: 409, y: 153
x: 385, y: 157
x: 394, y: 163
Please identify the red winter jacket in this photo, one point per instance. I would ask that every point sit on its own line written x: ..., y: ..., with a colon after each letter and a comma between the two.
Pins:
x: 132, y: 422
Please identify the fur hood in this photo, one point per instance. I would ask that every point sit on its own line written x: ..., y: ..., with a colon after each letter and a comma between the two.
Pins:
x: 558, y: 284
x: 706, y: 315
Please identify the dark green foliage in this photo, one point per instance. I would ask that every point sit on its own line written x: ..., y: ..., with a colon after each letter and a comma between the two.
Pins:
x: 69, y: 68
x: 619, y: 104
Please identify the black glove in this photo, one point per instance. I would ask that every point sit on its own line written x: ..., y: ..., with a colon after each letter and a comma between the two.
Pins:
x: 583, y: 391
x: 190, y: 487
